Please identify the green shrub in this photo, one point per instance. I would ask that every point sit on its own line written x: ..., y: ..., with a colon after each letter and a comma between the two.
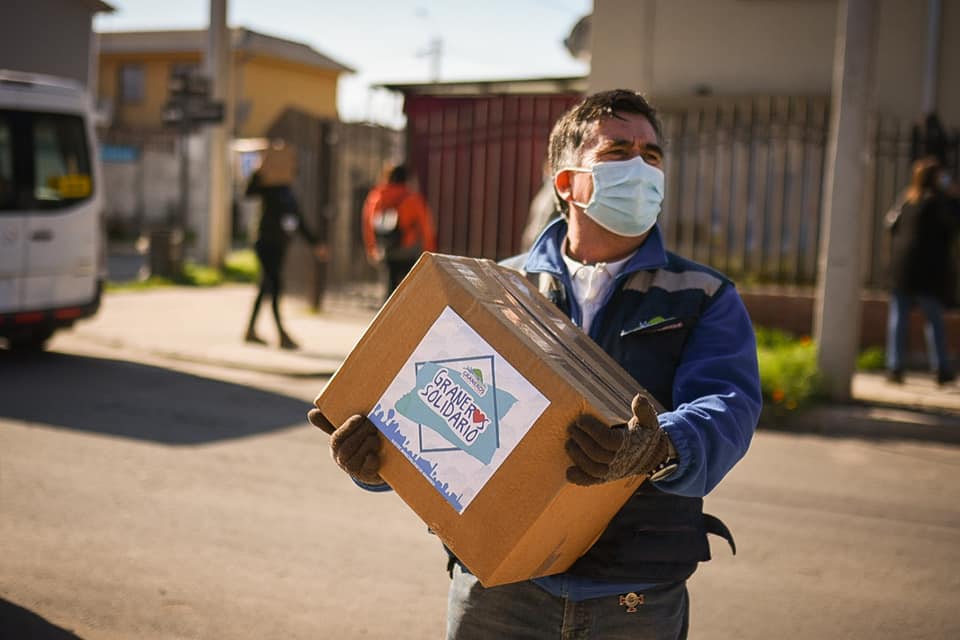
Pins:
x: 197, y: 275
x: 774, y: 338
x: 139, y: 285
x: 241, y: 266
x: 872, y: 359
x: 789, y: 377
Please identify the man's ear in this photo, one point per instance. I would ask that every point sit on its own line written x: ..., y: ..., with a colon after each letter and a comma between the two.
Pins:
x: 561, y: 182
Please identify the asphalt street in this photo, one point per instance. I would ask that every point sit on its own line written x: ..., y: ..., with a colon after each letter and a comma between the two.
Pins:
x: 145, y: 495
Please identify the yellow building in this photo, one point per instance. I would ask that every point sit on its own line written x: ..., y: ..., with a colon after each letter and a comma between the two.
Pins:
x: 269, y: 75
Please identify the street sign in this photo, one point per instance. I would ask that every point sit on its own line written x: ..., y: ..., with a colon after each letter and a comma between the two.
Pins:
x: 172, y: 114
x: 189, y: 102
x: 191, y: 113
x: 207, y: 113
x: 188, y: 83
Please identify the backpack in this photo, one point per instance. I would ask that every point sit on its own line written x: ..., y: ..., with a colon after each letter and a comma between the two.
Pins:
x: 386, y: 229
x: 389, y: 235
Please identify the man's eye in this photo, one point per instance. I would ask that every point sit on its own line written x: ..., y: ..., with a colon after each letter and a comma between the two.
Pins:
x: 652, y: 159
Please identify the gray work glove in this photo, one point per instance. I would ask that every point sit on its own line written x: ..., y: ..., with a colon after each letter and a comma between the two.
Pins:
x: 601, y: 453
x: 354, y: 445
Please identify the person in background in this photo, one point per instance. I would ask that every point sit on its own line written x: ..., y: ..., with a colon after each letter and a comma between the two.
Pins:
x: 681, y: 330
x: 280, y: 218
x: 923, y: 234
x: 543, y: 210
x: 928, y: 138
x: 397, y: 225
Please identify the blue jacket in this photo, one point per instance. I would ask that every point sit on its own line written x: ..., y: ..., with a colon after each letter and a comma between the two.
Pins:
x: 682, y: 331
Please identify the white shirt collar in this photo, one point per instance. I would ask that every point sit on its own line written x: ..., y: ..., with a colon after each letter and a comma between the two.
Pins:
x: 591, y: 282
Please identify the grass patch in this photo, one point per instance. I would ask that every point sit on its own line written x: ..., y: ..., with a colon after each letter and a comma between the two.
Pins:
x: 872, y: 359
x: 196, y: 275
x: 153, y: 282
x: 789, y: 377
x: 239, y: 266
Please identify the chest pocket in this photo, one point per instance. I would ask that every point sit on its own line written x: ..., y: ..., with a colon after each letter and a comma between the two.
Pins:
x: 652, y: 353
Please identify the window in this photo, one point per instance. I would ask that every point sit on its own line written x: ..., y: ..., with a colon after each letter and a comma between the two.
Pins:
x: 61, y: 168
x: 131, y: 83
x: 44, y: 161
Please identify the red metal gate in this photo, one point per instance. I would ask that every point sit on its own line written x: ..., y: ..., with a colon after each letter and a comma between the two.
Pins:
x: 479, y: 161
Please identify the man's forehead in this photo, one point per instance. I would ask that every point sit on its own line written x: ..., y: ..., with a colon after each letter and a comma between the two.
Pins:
x: 631, y: 127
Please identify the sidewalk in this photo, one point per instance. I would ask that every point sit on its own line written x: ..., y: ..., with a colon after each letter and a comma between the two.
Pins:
x: 206, y: 325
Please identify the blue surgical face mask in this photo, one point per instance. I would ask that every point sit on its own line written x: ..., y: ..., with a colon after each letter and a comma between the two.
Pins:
x: 627, y: 195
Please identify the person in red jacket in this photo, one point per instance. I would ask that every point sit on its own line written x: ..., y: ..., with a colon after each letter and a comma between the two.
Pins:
x: 397, y: 225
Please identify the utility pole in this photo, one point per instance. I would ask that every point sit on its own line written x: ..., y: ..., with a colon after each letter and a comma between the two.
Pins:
x: 837, y: 313
x: 931, y: 66
x: 434, y: 51
x: 218, y: 67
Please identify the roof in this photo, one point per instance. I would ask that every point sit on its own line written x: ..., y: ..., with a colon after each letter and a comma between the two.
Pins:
x: 39, y: 80
x: 571, y: 84
x: 195, y: 40
x: 96, y: 6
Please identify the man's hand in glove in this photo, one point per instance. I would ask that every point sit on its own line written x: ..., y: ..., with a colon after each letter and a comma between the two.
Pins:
x: 602, y: 454
x: 354, y: 446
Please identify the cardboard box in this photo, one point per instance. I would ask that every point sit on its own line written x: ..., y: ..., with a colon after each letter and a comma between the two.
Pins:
x: 279, y: 166
x: 473, y: 377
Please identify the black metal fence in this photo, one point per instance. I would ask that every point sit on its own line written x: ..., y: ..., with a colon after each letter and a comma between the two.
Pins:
x: 337, y: 165
x: 745, y: 183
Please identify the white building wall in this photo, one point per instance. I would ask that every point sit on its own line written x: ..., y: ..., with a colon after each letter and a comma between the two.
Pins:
x: 148, y: 189
x: 46, y: 36
x: 673, y: 48
x: 948, y: 96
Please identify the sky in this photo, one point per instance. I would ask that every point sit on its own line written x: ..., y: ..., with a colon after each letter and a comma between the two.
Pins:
x: 387, y: 40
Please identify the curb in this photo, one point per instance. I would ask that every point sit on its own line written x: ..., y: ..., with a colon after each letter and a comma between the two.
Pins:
x: 875, y: 422
x: 325, y: 372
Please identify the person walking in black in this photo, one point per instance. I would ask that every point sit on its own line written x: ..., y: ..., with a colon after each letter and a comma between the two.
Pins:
x: 923, y: 234
x: 280, y: 218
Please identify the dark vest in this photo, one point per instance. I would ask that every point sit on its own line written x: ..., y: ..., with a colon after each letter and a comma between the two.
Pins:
x: 655, y: 537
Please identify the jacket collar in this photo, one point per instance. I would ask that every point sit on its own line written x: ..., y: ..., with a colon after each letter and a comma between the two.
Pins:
x: 546, y: 254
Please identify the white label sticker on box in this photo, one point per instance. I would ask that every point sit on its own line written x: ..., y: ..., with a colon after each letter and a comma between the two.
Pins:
x: 457, y: 409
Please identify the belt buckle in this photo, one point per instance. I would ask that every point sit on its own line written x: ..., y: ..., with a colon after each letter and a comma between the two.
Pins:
x: 631, y: 600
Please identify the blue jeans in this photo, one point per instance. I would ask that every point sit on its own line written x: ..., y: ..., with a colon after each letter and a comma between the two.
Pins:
x: 524, y: 611
x: 899, y: 322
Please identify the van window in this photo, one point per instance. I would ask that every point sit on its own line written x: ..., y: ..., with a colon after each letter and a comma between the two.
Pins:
x: 49, y: 160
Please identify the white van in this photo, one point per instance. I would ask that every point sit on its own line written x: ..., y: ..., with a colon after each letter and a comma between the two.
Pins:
x: 51, y: 241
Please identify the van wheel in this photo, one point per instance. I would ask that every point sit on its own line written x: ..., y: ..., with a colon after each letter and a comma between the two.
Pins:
x: 34, y: 340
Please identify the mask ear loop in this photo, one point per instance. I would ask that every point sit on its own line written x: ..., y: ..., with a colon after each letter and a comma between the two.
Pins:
x: 582, y: 205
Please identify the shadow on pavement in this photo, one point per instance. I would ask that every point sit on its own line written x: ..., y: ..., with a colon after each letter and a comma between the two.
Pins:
x: 120, y: 398
x: 869, y: 422
x: 20, y: 624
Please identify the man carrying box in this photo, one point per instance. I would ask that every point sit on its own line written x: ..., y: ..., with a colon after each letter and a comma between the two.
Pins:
x: 681, y: 330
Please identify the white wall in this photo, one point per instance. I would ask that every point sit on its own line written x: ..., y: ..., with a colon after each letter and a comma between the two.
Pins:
x: 669, y: 48
x: 150, y: 187
x: 948, y: 101
x: 731, y: 46
x: 46, y: 36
